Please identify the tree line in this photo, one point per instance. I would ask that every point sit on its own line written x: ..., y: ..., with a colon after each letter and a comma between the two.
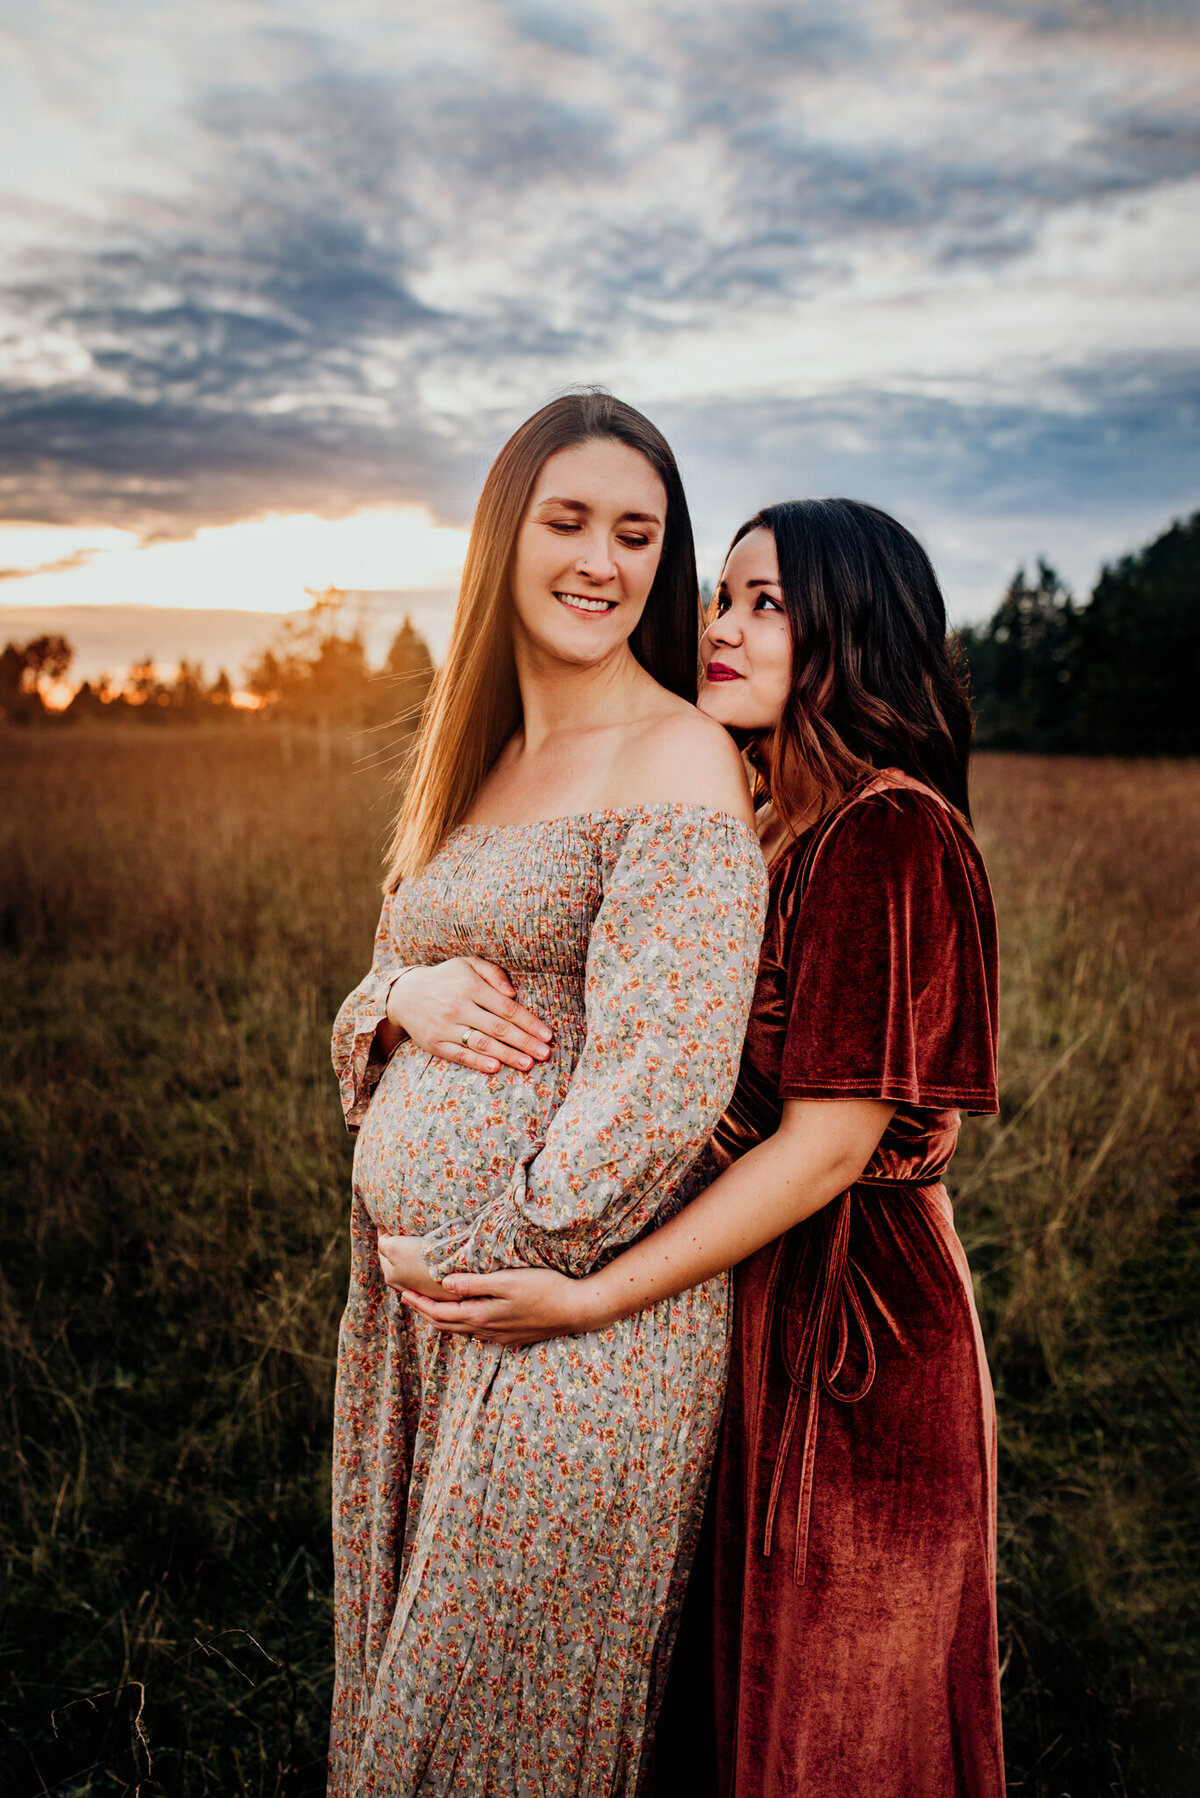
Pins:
x: 1117, y: 675
x: 313, y: 674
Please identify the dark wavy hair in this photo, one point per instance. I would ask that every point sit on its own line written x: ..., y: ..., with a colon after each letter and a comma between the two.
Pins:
x: 875, y: 683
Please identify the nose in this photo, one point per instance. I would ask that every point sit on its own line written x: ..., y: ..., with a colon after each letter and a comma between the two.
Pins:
x: 724, y: 629
x: 595, y: 561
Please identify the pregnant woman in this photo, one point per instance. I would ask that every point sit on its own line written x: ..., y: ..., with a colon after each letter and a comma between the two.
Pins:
x: 512, y: 1530
x: 842, y: 1626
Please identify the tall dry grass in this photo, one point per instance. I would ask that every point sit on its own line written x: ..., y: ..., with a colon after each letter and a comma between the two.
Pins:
x: 1080, y: 1209
x: 178, y: 920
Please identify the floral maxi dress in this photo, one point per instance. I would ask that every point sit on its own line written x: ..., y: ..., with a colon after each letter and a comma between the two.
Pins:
x: 513, y: 1527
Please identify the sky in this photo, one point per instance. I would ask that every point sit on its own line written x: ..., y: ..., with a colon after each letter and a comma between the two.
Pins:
x: 279, y: 278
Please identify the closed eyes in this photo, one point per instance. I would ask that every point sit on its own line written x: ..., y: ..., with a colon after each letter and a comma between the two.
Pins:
x: 567, y: 527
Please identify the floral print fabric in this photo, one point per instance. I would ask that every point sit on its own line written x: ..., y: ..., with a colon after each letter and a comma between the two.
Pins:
x: 512, y: 1528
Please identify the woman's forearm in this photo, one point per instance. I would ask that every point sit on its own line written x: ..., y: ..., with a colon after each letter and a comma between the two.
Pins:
x: 820, y: 1148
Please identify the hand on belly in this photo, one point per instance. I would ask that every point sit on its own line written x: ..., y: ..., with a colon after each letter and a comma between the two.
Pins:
x: 402, y: 1261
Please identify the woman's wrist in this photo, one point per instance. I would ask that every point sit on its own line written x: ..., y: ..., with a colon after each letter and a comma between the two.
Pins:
x: 393, y: 983
x: 595, y: 1303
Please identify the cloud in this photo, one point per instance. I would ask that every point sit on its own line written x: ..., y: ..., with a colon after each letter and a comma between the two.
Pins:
x: 984, y: 485
x: 382, y: 241
x: 78, y: 558
x: 163, y: 465
x: 853, y: 442
x: 1084, y: 16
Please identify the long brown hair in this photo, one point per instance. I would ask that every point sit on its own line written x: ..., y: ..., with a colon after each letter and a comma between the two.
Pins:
x: 474, y: 705
x: 875, y: 683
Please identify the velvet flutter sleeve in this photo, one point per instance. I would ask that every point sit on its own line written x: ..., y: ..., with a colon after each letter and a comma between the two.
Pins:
x: 357, y: 1061
x: 892, y: 978
x: 670, y: 975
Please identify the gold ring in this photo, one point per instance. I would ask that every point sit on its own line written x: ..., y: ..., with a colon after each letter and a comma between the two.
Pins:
x: 465, y: 1035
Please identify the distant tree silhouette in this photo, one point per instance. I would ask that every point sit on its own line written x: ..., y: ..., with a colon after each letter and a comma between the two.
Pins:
x: 25, y: 669
x: 150, y: 698
x: 189, y: 690
x: 1139, y: 651
x: 1118, y: 676
x: 1022, y: 666
x: 18, y: 702
x: 89, y: 703
x: 145, y: 693
x: 267, y: 676
x: 410, y: 666
x: 313, y: 679
x: 312, y: 674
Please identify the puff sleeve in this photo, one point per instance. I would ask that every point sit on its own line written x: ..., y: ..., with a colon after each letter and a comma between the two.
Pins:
x: 669, y: 979
x: 892, y: 978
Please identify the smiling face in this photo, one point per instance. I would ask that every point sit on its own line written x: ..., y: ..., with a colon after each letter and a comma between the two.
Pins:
x: 587, y: 551
x: 746, y: 652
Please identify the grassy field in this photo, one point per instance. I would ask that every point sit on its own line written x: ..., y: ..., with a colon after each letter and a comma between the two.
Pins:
x: 180, y: 913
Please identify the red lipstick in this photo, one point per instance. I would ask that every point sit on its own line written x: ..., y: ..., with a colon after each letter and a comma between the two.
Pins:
x: 718, y: 671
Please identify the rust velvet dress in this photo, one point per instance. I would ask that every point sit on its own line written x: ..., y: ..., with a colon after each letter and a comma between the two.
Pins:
x: 845, y: 1608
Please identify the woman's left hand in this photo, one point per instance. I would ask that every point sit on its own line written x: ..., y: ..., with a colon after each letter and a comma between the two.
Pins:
x: 404, y: 1268
x: 515, y: 1307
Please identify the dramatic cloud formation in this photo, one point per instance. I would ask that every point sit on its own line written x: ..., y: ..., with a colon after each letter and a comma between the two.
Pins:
x: 288, y: 257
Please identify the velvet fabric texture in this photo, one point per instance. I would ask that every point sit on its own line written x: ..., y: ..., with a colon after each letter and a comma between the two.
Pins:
x: 840, y: 1629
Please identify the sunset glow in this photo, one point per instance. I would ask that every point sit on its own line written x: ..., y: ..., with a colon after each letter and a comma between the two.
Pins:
x: 57, y: 695
x: 268, y: 564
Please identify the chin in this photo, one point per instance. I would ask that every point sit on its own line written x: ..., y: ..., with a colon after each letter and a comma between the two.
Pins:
x: 728, y: 707
x: 580, y: 648
x: 551, y: 631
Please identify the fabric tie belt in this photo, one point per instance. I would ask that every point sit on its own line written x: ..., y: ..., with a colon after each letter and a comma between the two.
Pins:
x: 836, y: 1304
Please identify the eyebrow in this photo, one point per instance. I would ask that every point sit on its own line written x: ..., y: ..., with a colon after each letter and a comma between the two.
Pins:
x: 722, y: 586
x: 578, y: 505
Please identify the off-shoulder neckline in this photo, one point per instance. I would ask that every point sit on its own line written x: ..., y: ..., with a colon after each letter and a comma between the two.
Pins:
x: 611, y: 811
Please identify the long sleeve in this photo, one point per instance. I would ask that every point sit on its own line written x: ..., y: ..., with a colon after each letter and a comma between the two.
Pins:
x: 670, y: 975
x: 355, y: 1062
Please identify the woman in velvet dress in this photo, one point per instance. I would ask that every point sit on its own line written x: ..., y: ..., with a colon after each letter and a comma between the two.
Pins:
x: 841, y: 1629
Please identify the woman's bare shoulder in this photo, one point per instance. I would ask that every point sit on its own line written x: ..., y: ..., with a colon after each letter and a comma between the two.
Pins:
x: 683, y: 758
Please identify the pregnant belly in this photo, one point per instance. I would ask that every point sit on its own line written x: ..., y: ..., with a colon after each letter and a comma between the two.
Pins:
x: 439, y: 1142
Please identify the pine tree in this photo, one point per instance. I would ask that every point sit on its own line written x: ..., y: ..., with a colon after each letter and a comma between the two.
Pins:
x: 1022, y: 666
x: 1139, y: 651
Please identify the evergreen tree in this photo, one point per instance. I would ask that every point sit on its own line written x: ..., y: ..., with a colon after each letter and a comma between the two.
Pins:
x: 410, y: 666
x: 1022, y: 665
x: 188, y: 691
x: 1118, y: 676
x: 87, y: 704
x: 1139, y: 651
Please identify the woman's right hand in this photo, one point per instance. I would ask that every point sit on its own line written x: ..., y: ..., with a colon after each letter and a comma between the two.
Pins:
x: 468, y: 997
x: 515, y: 1307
